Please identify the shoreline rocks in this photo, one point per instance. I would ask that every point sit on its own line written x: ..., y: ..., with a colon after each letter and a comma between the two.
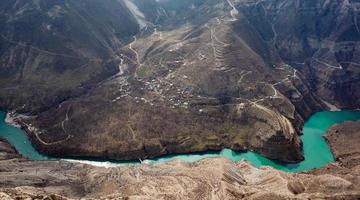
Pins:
x: 11, y: 119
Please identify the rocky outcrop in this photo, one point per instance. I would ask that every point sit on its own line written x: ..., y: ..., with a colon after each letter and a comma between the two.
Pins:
x: 279, y: 142
x: 344, y: 139
x: 7, y: 151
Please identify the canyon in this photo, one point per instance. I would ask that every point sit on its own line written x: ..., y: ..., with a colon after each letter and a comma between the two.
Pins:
x: 133, y: 80
x: 92, y: 80
x: 212, y: 178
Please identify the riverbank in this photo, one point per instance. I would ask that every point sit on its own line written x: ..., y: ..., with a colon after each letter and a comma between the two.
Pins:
x: 11, y: 119
x: 313, y: 141
x: 210, y: 178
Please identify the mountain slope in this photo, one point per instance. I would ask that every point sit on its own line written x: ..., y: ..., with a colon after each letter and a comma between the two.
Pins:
x: 52, y: 50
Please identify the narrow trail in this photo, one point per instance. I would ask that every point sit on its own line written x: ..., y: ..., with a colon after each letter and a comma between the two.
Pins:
x: 276, y: 92
x: 243, y: 76
x: 278, y: 95
x: 51, y: 143
x: 287, y: 78
x: 65, y: 120
x: 37, y: 135
x: 131, y: 131
x: 284, y: 123
x: 272, y: 24
x: 62, y: 127
x: 261, y: 107
x: 135, y: 52
x: 327, y: 64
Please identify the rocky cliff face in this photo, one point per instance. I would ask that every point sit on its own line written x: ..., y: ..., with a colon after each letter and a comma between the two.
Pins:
x: 7, y: 151
x: 344, y: 139
x: 199, y: 75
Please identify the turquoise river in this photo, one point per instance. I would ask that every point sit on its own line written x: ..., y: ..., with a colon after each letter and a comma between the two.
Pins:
x: 316, y: 150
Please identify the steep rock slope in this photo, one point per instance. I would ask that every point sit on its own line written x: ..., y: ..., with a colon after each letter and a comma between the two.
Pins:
x: 344, y: 139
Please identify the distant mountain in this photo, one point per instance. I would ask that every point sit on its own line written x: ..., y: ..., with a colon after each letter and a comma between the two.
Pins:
x: 135, y: 78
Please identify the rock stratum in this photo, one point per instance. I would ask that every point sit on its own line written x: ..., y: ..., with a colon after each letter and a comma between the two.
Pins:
x: 212, y: 178
x: 125, y: 79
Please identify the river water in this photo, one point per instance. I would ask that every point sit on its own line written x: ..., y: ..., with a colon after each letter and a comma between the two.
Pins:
x: 316, y: 150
